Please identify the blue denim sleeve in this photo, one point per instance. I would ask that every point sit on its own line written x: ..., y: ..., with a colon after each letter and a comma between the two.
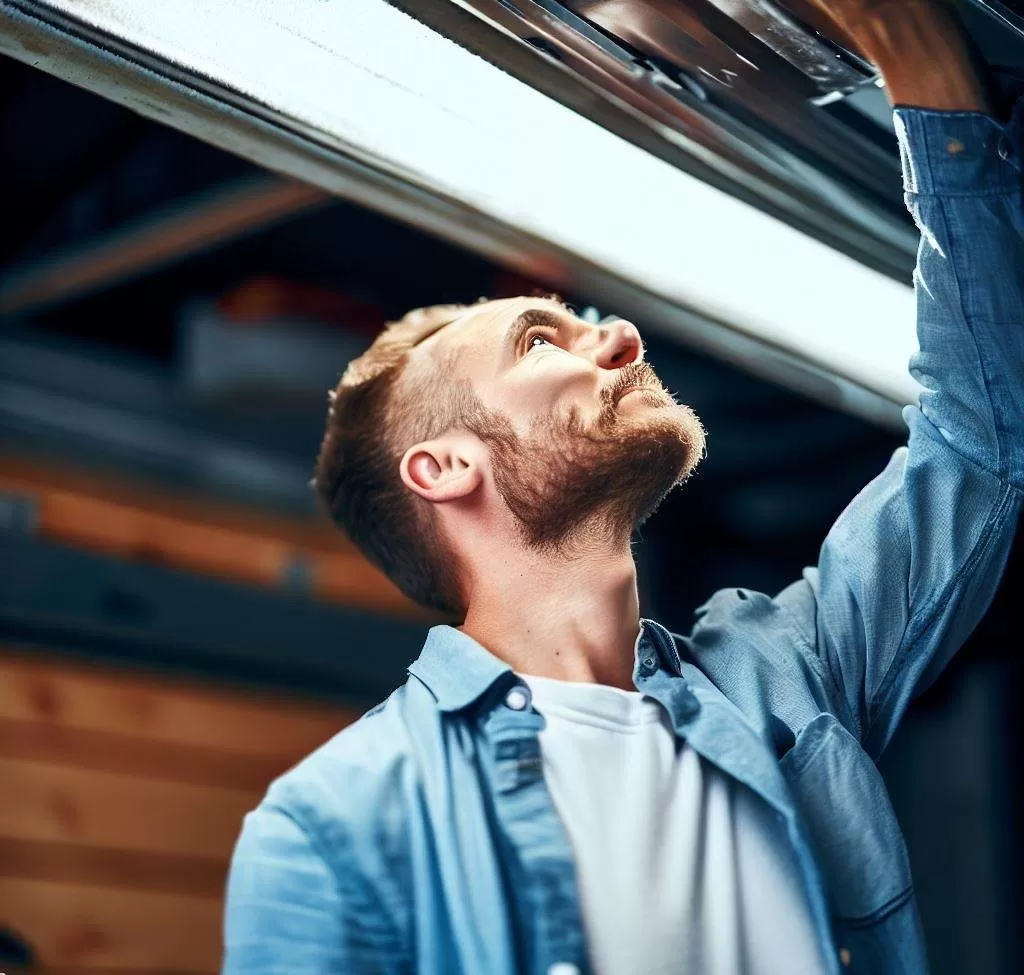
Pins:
x: 313, y: 889
x: 912, y: 564
x: 282, y: 913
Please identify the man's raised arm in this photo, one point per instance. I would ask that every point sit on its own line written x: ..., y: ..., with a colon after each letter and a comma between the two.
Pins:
x: 910, y: 567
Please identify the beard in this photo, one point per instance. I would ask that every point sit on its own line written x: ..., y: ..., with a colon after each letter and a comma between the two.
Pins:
x: 569, y: 482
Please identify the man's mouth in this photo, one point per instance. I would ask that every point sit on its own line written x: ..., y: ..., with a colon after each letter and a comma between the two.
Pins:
x: 635, y: 378
x: 629, y: 390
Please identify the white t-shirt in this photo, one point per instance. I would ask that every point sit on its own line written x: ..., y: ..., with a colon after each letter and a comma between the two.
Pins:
x: 680, y: 868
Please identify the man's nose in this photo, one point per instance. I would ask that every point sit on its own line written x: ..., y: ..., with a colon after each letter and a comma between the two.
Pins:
x: 619, y: 344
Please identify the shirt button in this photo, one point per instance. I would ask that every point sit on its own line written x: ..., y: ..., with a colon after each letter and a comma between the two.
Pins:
x: 845, y: 957
x: 518, y: 699
x: 563, y: 968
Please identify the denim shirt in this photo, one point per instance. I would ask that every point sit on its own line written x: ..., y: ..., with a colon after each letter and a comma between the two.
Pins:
x: 423, y: 837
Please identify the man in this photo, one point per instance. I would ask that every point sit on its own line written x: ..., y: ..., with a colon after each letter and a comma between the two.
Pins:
x: 561, y: 787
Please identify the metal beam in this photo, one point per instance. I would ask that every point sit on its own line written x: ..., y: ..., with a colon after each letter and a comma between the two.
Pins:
x: 156, y: 240
x: 337, y: 125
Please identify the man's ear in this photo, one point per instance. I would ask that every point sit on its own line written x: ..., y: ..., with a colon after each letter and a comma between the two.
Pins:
x: 444, y: 469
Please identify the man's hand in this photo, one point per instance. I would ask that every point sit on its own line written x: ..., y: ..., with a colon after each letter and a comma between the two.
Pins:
x: 919, y: 47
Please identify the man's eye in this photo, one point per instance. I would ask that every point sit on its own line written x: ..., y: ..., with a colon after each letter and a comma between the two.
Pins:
x: 534, y: 339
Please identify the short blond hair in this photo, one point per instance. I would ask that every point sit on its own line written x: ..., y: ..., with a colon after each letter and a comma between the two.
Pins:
x: 374, y: 416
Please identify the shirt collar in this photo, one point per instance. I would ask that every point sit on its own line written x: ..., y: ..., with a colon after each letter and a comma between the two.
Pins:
x: 664, y: 643
x: 455, y: 668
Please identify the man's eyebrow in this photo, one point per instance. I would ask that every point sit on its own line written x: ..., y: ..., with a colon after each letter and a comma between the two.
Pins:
x: 531, y: 318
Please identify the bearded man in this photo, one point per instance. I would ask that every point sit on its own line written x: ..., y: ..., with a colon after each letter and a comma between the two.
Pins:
x: 561, y: 787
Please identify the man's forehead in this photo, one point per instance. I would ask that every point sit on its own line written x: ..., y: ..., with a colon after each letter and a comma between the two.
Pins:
x: 484, y: 324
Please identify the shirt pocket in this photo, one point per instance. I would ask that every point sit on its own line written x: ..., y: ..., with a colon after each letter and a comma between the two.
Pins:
x: 850, y: 823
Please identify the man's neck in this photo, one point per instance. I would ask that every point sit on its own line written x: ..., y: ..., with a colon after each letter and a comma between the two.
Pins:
x: 574, y: 619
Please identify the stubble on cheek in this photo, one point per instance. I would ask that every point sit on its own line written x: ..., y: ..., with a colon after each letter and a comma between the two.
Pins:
x: 567, y: 478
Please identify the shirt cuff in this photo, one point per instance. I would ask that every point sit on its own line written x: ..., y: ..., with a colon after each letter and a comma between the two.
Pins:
x: 957, y: 153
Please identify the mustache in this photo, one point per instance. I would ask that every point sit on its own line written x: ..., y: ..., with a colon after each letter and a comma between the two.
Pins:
x: 635, y: 375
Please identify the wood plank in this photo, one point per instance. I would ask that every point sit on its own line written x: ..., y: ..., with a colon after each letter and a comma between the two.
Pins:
x: 119, y: 753
x: 34, y: 475
x: 49, y: 691
x: 104, y: 809
x: 62, y: 970
x: 145, y: 524
x: 84, y: 926
x: 77, y: 864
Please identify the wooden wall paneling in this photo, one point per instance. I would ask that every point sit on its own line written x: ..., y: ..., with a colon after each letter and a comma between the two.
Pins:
x: 75, y: 970
x: 41, y: 690
x: 73, y: 863
x: 43, y: 801
x: 85, y: 927
x: 118, y: 753
x: 199, y: 535
x: 123, y: 797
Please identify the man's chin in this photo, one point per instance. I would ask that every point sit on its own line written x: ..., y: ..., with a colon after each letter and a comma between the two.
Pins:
x: 667, y: 428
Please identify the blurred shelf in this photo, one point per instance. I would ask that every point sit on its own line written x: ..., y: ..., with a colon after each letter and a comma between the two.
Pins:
x: 83, y: 511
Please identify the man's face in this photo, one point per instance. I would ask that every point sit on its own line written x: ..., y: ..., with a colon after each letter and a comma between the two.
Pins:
x: 581, y: 433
